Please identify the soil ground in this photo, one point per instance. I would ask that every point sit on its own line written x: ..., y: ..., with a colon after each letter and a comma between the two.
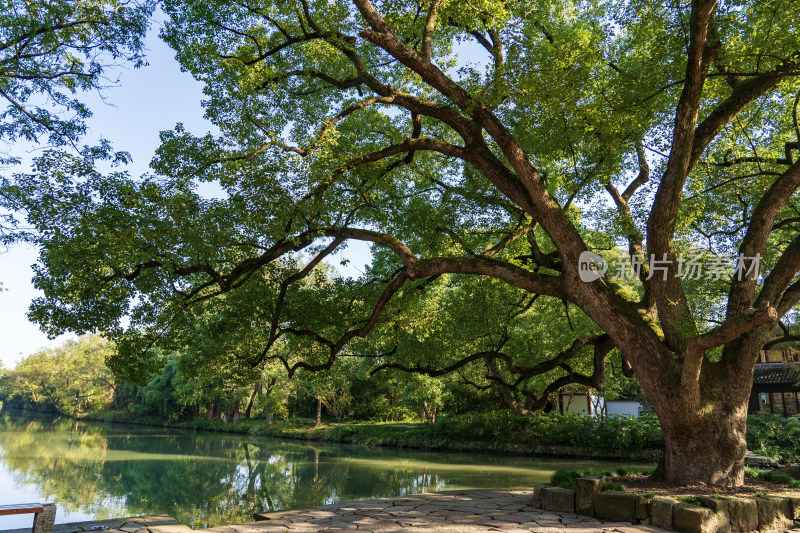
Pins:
x: 643, y: 485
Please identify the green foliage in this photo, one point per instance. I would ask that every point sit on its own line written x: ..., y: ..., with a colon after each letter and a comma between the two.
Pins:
x: 784, y: 479
x: 564, y: 478
x: 770, y: 475
x: 473, y: 183
x: 72, y: 378
x: 774, y: 436
x: 750, y: 471
x: 693, y: 500
x: 51, y: 49
x: 610, y: 485
x: 626, y: 471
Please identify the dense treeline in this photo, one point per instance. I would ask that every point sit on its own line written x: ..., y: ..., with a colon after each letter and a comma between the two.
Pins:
x: 73, y: 379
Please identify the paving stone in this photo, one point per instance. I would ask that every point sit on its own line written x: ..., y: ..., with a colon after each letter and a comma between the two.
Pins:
x: 640, y: 529
x: 661, y: 512
x: 170, y: 528
x: 615, y: 505
x: 773, y: 513
x: 549, y: 523
x: 478, y: 511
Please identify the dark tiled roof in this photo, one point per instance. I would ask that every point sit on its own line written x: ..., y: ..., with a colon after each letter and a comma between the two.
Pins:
x: 776, y: 374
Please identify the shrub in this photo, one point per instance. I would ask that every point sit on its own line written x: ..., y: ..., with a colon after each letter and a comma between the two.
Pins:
x: 774, y: 436
x: 564, y: 478
x: 626, y: 471
x: 609, y: 485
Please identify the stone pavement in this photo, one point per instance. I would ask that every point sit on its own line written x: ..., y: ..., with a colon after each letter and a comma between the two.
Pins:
x: 469, y: 511
x: 129, y: 525
x: 438, y: 512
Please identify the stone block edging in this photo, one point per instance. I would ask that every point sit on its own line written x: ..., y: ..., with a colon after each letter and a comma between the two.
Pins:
x: 713, y: 514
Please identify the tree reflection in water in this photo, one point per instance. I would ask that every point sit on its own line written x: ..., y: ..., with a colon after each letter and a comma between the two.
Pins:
x: 208, y: 479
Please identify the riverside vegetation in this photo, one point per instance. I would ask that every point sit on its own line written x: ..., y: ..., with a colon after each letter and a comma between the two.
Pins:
x: 402, y: 411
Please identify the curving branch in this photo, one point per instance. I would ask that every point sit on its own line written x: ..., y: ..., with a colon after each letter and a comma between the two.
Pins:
x: 743, y: 288
x: 673, y: 307
x: 337, y: 346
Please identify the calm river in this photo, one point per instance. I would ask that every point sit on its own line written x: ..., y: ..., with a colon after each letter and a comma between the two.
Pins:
x: 100, y: 471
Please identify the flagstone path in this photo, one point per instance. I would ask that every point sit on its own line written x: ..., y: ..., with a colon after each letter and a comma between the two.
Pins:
x: 470, y: 511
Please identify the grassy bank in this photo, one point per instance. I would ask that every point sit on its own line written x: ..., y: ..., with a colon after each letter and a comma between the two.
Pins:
x: 630, y: 439
x: 546, y: 434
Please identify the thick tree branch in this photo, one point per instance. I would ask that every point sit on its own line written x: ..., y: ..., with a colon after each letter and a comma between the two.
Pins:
x: 743, y: 287
x: 673, y: 308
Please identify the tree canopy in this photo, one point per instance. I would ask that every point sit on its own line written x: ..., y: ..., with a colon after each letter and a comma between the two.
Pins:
x: 493, y: 139
x: 51, y: 50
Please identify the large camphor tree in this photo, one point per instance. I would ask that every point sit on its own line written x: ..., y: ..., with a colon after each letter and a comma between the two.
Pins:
x: 662, y: 128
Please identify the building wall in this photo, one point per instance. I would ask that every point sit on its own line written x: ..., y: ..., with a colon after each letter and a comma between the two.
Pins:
x: 621, y: 408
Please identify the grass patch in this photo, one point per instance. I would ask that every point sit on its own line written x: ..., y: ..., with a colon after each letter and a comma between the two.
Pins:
x: 774, y: 477
x: 693, y: 500
x: 610, y: 485
x: 626, y: 471
x: 564, y: 478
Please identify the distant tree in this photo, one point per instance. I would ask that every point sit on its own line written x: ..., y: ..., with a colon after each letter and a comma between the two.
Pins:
x: 71, y: 378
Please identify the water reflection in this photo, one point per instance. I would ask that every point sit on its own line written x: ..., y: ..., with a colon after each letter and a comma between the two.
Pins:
x: 208, y: 479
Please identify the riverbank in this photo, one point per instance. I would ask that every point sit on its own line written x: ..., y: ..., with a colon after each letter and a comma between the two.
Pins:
x: 546, y: 434
x: 625, y: 439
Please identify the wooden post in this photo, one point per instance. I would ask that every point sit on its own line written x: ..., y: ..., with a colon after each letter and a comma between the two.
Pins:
x: 44, y: 521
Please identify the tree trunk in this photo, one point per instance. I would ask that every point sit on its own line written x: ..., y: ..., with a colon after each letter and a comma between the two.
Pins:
x: 210, y: 410
x: 703, y: 421
x: 424, y: 415
x: 256, y: 390
x: 319, y: 410
x: 235, y: 417
x: 709, y: 448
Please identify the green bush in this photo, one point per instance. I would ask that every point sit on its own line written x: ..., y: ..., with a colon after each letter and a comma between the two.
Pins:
x: 626, y: 471
x: 564, y: 478
x: 774, y: 436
